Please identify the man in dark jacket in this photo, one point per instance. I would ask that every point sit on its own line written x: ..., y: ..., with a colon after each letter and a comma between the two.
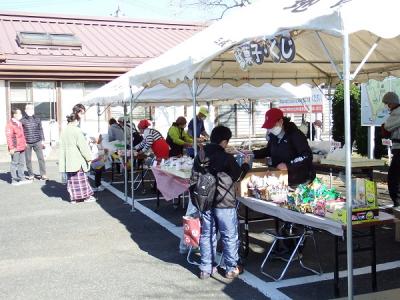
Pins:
x: 34, y: 140
x: 223, y: 214
x: 287, y: 148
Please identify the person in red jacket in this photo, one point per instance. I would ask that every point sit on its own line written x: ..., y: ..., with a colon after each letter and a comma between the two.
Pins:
x: 16, y: 146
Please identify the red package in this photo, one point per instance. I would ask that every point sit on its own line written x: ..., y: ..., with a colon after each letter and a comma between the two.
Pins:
x: 191, y: 231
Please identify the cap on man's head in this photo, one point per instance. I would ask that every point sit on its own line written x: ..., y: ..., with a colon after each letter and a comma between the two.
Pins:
x: 143, y: 124
x: 121, y: 119
x: 391, y: 97
x: 203, y: 111
x: 271, y: 117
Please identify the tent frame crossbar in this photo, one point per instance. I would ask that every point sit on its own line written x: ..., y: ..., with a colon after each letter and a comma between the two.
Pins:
x: 328, y: 54
x: 371, y: 50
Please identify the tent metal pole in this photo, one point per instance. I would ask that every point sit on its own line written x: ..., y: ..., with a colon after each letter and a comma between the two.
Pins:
x: 125, y: 158
x: 365, y: 59
x: 98, y: 117
x: 209, y: 79
x: 194, y: 94
x: 329, y: 55
x: 347, y: 122
x: 132, y: 157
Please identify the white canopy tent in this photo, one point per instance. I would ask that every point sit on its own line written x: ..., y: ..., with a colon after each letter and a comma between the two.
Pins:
x: 160, y: 95
x: 334, y: 40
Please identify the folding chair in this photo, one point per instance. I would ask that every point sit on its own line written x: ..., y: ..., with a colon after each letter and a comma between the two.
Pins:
x: 299, y: 239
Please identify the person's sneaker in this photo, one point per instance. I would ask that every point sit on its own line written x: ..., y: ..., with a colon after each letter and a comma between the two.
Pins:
x: 73, y: 202
x: 90, y: 199
x: 234, y: 273
x: 205, y: 275
x: 44, y: 178
x: 15, y: 183
x: 100, y: 188
x: 30, y: 177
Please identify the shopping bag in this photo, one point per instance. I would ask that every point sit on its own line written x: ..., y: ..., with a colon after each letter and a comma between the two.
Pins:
x: 191, y: 231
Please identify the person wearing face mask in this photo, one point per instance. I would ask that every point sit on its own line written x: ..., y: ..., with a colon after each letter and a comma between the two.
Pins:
x: 16, y: 146
x: 287, y: 148
x: 34, y: 141
x: 391, y: 129
x: 178, y: 138
x: 201, y: 133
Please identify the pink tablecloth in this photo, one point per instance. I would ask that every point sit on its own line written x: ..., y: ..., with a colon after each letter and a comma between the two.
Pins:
x: 169, y: 185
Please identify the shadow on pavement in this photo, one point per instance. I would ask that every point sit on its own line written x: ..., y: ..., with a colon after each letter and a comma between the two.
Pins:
x: 6, y: 177
x: 54, y: 189
x: 163, y: 245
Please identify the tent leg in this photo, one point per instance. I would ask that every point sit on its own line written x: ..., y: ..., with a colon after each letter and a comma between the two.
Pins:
x: 125, y: 158
x: 98, y: 117
x: 132, y: 157
x: 347, y: 122
x: 194, y: 94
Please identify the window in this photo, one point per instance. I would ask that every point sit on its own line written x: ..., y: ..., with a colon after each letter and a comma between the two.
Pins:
x: 39, y: 93
x: 48, y: 39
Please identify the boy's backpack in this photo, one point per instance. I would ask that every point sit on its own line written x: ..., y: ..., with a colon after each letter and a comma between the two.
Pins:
x: 203, y: 184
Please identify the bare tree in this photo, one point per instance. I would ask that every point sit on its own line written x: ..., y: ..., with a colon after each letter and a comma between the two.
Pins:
x: 223, y: 5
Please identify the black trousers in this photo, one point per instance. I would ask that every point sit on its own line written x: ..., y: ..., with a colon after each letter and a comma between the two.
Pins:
x: 97, y: 176
x: 394, y: 177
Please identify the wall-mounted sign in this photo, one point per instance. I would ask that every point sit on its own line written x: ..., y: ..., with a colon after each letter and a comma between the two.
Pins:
x: 256, y: 52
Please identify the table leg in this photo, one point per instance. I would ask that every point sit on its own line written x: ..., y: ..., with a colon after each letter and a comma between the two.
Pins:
x: 336, y: 270
x: 373, y: 259
x: 246, y: 231
x: 158, y: 199
x: 330, y: 177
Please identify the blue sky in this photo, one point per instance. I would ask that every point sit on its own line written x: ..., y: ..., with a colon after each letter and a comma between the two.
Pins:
x: 143, y: 9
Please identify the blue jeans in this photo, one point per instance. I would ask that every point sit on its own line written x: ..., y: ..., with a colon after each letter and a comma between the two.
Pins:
x: 225, y: 219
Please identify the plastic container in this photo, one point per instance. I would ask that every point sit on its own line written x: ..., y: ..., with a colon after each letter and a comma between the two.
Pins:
x: 241, y: 156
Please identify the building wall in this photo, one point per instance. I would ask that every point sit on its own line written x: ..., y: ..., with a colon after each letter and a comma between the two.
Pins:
x: 3, y: 111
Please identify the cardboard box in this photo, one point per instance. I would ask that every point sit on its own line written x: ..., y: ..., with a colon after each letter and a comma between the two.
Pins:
x: 364, y: 193
x: 242, y: 190
x: 359, y: 215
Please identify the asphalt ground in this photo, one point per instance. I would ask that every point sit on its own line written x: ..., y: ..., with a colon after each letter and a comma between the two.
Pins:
x: 53, y: 249
x: 299, y: 283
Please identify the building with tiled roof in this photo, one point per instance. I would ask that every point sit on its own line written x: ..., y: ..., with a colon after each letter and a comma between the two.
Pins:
x: 52, y: 61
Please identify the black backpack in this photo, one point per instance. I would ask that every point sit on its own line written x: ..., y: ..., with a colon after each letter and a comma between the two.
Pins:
x: 203, y: 184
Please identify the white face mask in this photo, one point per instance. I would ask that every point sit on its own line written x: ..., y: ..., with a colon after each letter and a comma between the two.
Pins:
x: 276, y: 130
x: 29, y: 112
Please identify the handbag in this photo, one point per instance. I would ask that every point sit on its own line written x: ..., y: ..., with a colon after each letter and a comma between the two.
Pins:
x: 191, y: 230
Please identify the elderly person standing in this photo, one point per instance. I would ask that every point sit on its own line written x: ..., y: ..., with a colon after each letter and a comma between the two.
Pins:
x: 34, y: 141
x: 16, y: 146
x: 75, y: 157
x: 201, y: 133
x: 178, y: 138
x: 391, y: 129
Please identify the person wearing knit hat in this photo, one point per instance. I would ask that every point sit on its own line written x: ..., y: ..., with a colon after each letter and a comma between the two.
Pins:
x: 153, y: 139
x: 178, y: 138
x: 391, y: 129
x: 287, y: 148
x: 201, y: 133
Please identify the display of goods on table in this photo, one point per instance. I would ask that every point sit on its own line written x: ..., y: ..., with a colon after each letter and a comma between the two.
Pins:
x: 180, y: 166
x: 315, y: 198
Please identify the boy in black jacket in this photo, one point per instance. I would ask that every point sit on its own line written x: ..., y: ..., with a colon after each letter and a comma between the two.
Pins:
x: 223, y: 214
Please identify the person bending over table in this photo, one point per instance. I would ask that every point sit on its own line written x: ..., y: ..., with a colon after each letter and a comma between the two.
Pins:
x: 152, y: 139
x: 178, y: 138
x: 287, y: 148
